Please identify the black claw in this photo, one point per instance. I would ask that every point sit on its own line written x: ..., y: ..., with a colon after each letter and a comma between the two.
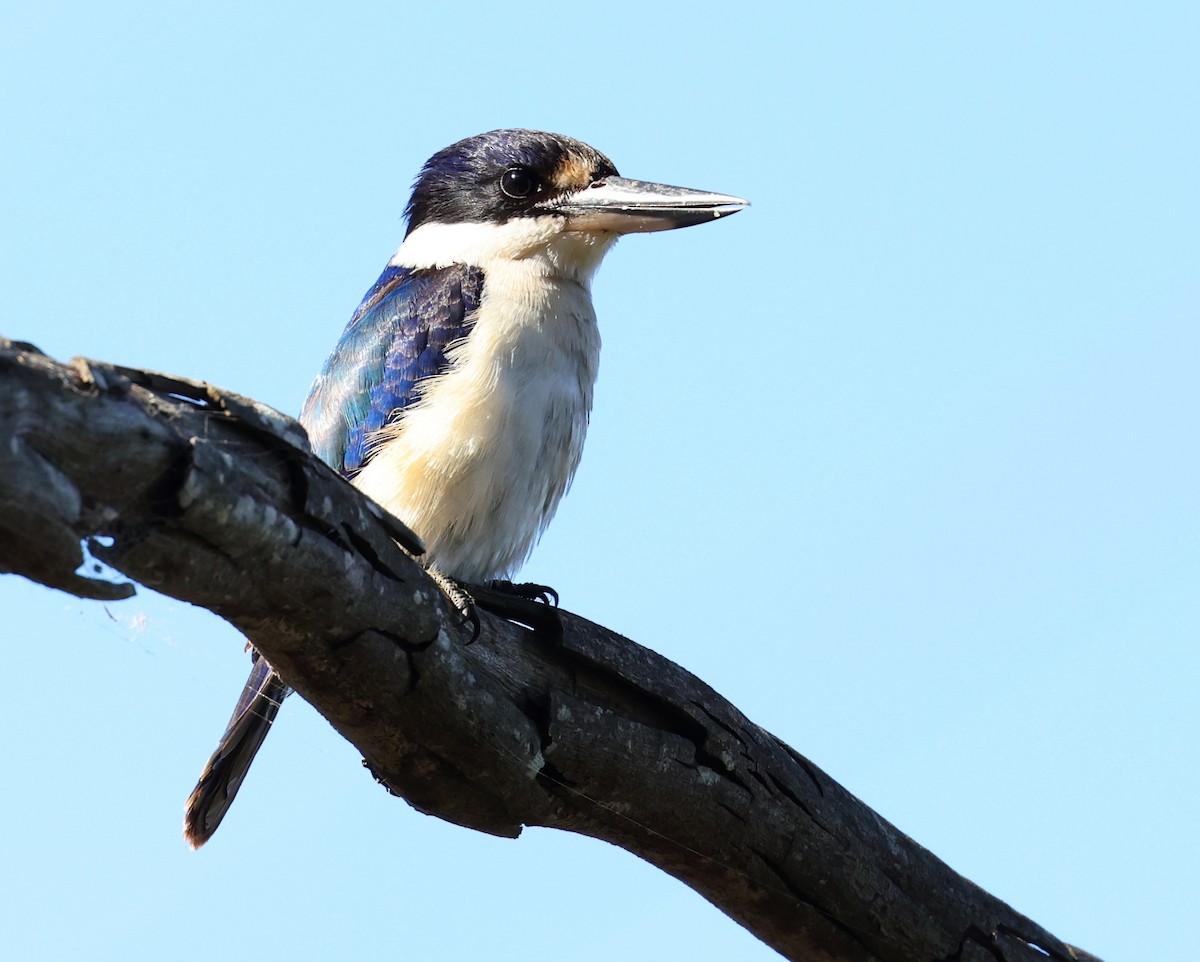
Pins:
x: 527, y: 604
x: 472, y: 618
x: 527, y: 590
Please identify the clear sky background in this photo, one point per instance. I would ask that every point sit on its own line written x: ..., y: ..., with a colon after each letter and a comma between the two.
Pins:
x: 903, y: 460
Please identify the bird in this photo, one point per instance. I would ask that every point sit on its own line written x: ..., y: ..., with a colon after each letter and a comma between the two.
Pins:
x: 459, y: 394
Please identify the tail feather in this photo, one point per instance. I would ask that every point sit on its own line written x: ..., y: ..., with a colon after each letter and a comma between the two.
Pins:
x: 222, y: 776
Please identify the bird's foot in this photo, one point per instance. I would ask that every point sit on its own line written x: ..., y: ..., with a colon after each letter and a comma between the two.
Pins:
x: 527, y: 604
x: 460, y: 596
x: 527, y: 590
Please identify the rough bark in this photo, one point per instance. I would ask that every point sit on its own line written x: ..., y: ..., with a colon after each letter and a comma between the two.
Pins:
x: 215, y: 499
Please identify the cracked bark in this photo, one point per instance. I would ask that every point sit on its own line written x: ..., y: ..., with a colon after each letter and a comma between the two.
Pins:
x: 215, y: 499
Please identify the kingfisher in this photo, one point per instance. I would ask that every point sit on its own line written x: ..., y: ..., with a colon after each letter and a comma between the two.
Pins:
x: 459, y: 394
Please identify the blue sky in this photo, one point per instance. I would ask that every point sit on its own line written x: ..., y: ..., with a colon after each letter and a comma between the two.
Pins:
x: 902, y: 460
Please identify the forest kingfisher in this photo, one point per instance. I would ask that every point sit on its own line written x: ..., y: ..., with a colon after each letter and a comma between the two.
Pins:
x: 459, y: 394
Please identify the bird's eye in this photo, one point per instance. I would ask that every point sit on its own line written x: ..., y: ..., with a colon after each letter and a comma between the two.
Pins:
x: 518, y: 183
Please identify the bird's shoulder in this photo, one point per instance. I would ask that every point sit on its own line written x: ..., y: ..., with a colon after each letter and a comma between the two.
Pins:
x: 398, y: 335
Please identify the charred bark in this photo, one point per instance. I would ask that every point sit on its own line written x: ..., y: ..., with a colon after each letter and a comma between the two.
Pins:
x: 215, y: 499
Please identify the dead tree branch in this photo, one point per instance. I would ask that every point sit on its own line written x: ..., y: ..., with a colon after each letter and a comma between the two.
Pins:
x: 214, y: 499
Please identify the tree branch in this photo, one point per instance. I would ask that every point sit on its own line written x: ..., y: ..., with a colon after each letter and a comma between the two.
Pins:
x: 215, y: 499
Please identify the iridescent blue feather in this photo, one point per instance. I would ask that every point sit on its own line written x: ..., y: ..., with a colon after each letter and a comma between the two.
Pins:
x: 398, y: 336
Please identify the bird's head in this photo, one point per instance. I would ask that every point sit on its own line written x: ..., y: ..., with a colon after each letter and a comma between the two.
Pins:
x: 525, y: 194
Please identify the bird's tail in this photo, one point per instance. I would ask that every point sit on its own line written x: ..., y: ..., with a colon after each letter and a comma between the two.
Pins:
x: 222, y: 776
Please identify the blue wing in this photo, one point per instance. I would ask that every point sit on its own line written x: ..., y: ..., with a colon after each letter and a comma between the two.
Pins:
x: 398, y: 336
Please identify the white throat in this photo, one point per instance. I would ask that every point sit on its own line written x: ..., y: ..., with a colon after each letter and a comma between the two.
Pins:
x: 540, y: 242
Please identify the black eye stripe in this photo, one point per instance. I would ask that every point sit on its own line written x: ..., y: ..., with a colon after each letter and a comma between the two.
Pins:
x: 499, y: 175
x: 518, y: 182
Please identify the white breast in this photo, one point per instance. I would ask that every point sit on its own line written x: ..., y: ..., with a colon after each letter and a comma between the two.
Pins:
x: 477, y: 467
